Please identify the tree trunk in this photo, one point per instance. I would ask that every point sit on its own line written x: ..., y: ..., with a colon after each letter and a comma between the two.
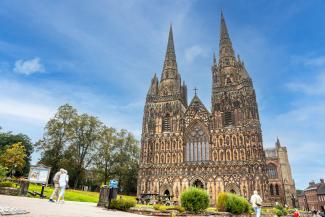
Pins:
x: 76, y: 181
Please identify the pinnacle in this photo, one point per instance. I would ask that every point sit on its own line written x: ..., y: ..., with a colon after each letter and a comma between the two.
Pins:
x: 225, y: 46
x: 223, y: 28
x: 170, y: 64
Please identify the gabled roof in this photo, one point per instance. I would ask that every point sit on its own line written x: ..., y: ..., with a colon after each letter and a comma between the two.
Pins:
x: 196, y: 104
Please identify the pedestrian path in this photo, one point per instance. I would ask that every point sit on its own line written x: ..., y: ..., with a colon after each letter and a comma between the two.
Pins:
x: 42, y: 208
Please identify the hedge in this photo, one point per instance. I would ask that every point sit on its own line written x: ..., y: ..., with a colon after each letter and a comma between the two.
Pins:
x: 235, y: 204
x: 195, y: 200
x: 7, y: 184
x: 122, y: 204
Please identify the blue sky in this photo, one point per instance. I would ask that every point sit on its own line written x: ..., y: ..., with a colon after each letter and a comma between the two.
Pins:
x: 100, y: 56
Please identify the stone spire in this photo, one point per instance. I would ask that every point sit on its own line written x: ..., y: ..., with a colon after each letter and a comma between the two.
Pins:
x: 170, y: 83
x: 170, y: 65
x: 153, y: 90
x: 277, y: 143
x: 226, y: 51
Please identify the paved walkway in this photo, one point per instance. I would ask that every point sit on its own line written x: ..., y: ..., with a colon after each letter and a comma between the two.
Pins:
x: 43, y: 208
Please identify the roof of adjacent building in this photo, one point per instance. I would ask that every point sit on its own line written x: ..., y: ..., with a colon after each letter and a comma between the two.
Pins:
x: 319, y: 187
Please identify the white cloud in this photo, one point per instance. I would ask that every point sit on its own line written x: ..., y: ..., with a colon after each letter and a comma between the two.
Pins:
x: 28, y: 67
x: 317, y: 61
x: 300, y: 129
x: 315, y: 67
x: 312, y: 88
x: 194, y: 52
x: 25, y: 110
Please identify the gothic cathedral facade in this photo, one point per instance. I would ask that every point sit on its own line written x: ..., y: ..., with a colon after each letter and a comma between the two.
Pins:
x: 187, y: 145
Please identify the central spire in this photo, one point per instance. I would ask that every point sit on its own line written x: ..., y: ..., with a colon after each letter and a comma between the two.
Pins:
x: 170, y: 65
x: 226, y: 51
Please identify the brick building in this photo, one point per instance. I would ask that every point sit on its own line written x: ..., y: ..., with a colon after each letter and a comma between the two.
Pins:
x: 313, y: 197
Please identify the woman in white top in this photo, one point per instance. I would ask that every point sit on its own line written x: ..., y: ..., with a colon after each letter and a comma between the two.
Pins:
x: 63, y: 182
x: 256, y: 201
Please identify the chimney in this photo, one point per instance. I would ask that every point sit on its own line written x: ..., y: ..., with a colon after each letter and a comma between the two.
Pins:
x: 312, y: 183
x: 322, y: 181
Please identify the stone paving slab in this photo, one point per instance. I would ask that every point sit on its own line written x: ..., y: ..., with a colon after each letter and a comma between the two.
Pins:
x: 42, y: 208
x: 11, y: 211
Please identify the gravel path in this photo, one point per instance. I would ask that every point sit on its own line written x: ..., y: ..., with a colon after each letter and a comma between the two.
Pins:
x: 43, y: 208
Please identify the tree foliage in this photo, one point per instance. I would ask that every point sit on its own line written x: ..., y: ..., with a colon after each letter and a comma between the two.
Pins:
x: 103, y: 159
x: 14, y: 157
x: 56, y: 137
x: 3, y: 171
x: 8, y: 138
x: 89, y: 150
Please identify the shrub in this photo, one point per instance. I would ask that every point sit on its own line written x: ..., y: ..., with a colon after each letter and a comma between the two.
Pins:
x: 222, y: 201
x: 122, y: 204
x: 7, y: 184
x: 3, y: 172
x: 279, y: 210
x: 233, y: 203
x: 195, y: 200
x: 156, y: 206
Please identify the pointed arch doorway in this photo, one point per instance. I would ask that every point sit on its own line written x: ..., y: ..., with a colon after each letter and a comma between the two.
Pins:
x: 198, y: 184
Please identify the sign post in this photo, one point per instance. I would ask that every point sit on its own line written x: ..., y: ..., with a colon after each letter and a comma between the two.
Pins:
x: 39, y: 174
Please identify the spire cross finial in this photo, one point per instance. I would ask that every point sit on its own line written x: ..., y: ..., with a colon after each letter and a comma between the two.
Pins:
x: 195, y: 90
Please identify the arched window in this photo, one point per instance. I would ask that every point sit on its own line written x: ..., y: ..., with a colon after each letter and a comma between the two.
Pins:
x: 166, y: 123
x: 271, y: 171
x: 197, y: 145
x: 277, y: 192
x: 271, y: 189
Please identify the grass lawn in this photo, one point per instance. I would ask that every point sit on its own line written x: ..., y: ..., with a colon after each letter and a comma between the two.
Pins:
x: 72, y: 195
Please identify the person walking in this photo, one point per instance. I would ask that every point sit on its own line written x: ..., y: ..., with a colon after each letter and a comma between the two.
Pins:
x: 256, y: 202
x: 63, y: 182
x: 56, y: 190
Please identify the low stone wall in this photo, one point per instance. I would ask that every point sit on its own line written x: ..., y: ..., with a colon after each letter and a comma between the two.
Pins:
x: 151, y: 212
x: 9, y: 191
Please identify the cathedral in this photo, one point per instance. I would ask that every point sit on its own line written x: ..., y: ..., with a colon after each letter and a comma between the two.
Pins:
x: 185, y: 145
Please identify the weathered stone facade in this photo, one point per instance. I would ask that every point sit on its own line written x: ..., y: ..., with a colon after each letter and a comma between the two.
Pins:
x: 281, y: 184
x: 187, y: 145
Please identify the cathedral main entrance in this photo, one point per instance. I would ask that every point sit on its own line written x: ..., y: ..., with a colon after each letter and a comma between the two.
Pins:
x: 166, y: 193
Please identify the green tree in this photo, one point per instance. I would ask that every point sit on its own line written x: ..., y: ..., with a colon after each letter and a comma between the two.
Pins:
x: 57, y: 136
x: 103, y: 159
x: 14, y: 157
x: 86, y: 131
x: 8, y: 138
x: 126, y: 161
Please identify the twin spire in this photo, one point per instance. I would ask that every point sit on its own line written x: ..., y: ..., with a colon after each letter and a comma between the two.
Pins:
x: 170, y: 76
x: 170, y: 70
x: 226, y: 51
